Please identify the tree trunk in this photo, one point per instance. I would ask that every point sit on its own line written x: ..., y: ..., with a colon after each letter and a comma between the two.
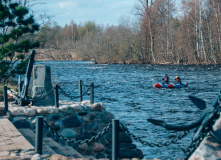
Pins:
x: 201, y: 32
x: 151, y: 34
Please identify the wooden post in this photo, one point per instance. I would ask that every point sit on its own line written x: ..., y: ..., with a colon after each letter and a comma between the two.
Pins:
x: 92, y: 93
x: 6, y: 98
x: 80, y: 91
x: 115, y: 139
x: 56, y: 96
x: 39, y: 135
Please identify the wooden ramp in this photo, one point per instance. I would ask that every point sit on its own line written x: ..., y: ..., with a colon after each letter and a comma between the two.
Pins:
x: 11, y: 138
x: 50, y: 146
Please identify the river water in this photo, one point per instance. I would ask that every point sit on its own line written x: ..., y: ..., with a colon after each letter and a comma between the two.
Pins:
x: 127, y: 91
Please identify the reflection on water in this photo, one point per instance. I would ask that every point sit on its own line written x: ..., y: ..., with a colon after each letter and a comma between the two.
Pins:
x: 127, y: 92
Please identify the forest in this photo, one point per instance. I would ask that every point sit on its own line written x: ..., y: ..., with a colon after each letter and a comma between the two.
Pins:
x: 161, y: 33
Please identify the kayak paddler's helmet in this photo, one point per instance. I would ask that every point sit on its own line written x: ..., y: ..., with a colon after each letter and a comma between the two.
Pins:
x: 166, y: 75
x: 177, y: 77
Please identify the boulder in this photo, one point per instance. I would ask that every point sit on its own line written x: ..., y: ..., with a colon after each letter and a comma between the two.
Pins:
x: 77, y: 107
x: 64, y: 108
x: 41, y: 110
x: 36, y: 157
x: 83, y: 147
x: 68, y: 133
x: 2, y: 111
x: 30, y: 112
x: 107, y: 117
x: 73, y: 121
x: 85, y: 103
x: 59, y: 157
x: 52, y: 110
x: 54, y: 117
x: 96, y: 107
x: 100, y: 156
x: 17, y: 111
x: 22, y: 124
x: 98, y: 147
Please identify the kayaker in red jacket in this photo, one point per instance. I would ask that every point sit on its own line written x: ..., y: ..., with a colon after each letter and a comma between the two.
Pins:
x: 166, y: 79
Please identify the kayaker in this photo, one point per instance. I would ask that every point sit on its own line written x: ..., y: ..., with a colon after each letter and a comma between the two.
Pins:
x: 166, y: 79
x: 177, y: 78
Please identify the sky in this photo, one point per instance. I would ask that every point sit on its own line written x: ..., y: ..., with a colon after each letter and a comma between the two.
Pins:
x: 100, y: 11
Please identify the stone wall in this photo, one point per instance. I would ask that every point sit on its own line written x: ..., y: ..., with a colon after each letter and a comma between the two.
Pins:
x: 76, y: 121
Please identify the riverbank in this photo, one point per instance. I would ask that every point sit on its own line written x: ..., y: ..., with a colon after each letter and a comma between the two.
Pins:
x: 72, y: 55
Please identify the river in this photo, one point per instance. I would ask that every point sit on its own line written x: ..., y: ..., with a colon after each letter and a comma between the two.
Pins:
x: 127, y: 91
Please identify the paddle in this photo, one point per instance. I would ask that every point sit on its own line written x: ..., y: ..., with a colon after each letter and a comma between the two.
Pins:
x: 201, y: 104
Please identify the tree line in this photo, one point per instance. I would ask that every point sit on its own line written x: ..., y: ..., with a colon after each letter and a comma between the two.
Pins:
x: 162, y: 32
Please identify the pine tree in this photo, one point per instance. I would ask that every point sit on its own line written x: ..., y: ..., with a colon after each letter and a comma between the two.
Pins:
x: 17, y: 28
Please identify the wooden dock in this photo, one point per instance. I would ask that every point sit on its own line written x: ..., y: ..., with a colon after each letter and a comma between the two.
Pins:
x: 11, y: 138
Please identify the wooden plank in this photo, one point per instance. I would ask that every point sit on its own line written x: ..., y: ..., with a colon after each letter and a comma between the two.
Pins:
x: 11, y: 138
x: 30, y: 136
x: 68, y: 151
x: 50, y: 143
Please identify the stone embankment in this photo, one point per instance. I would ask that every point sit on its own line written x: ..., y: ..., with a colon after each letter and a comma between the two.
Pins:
x: 75, y: 121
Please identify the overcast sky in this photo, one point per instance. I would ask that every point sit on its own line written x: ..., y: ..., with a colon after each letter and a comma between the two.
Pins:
x: 100, y: 11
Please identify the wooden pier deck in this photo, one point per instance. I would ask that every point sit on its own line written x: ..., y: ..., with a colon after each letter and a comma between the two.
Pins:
x: 11, y: 138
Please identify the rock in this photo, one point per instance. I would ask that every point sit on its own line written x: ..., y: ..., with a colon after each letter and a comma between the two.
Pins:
x: 83, y: 146
x: 107, y: 117
x: 19, y: 118
x: 2, y: 111
x: 98, y: 148
x: 17, y: 111
x: 41, y: 110
x: 82, y: 113
x: 13, y: 154
x: 77, y: 107
x: 36, y: 157
x: 30, y: 112
x: 87, y: 134
x: 68, y: 133
x: 59, y: 157
x: 87, y: 126
x: 86, y: 119
x: 64, y: 108
x: 85, y: 103
x: 99, y: 156
x: 22, y: 124
x: 54, y: 117
x: 96, y: 107
x: 73, y: 121
x: 52, y: 110
x: 42, y: 89
x: 94, y: 125
x: 80, y: 130
x: 94, y: 115
x: 45, y: 156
